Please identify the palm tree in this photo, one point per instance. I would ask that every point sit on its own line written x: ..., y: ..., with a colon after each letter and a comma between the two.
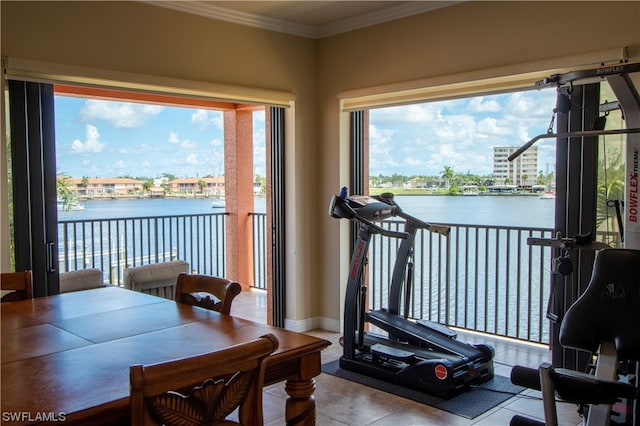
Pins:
x: 65, y: 193
x: 447, y: 174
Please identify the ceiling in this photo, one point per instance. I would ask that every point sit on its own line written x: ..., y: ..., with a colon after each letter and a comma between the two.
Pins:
x: 312, y: 19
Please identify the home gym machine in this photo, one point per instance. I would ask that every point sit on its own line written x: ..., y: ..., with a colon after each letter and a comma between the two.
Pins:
x: 421, y: 355
x: 603, y: 321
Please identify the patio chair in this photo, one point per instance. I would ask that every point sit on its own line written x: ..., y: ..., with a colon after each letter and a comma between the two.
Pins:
x: 207, y: 291
x: 203, y: 389
x: 16, y: 286
x: 158, y: 279
x: 82, y: 279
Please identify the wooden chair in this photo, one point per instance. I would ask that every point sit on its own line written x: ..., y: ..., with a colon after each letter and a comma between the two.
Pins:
x: 203, y: 389
x: 196, y: 290
x: 16, y: 286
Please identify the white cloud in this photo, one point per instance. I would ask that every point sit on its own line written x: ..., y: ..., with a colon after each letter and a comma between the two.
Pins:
x: 91, y: 145
x: 380, y: 148
x: 119, y: 114
x: 479, y: 104
x: 173, y: 138
x: 119, y: 165
x: 192, y: 159
x: 492, y: 127
x: 413, y: 162
x: 184, y: 144
x: 460, y: 133
x: 203, y: 118
x: 456, y: 128
x: 259, y: 160
x: 417, y: 113
x: 138, y: 149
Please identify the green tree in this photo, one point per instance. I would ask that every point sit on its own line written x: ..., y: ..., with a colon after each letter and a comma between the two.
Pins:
x: 65, y: 193
x: 169, y: 176
x: 447, y: 174
x: 263, y: 183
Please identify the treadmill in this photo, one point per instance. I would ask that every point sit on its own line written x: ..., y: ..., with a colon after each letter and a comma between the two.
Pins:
x: 422, y: 355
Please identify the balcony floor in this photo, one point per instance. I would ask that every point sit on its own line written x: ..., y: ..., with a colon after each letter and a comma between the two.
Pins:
x: 340, y: 402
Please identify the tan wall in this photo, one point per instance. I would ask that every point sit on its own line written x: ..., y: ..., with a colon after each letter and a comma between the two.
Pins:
x: 479, y: 38
x: 133, y: 37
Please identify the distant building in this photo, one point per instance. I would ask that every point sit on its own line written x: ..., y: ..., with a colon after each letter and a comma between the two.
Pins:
x: 156, y: 192
x: 522, y: 171
x: 161, y: 181
x: 105, y: 187
x: 207, y: 186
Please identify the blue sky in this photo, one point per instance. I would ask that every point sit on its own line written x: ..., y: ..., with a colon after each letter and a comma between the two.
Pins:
x: 97, y: 138
x: 423, y: 138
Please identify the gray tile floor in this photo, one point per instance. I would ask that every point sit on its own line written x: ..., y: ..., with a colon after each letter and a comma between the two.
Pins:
x: 340, y: 402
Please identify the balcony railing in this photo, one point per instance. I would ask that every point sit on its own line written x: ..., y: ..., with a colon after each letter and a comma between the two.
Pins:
x: 115, y: 244
x: 259, y: 250
x: 483, y: 278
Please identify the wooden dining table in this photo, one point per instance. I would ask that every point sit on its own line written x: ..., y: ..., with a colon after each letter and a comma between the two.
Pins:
x: 67, y: 357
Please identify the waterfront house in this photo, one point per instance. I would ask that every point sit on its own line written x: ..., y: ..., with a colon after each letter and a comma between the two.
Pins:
x: 317, y: 83
x: 105, y: 187
x: 207, y: 186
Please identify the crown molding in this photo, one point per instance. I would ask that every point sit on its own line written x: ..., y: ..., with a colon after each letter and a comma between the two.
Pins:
x: 378, y: 17
x: 208, y: 10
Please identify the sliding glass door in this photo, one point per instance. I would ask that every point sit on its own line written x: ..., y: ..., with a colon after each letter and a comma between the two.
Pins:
x: 33, y: 177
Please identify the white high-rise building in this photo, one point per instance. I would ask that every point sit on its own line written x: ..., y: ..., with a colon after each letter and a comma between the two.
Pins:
x: 522, y: 171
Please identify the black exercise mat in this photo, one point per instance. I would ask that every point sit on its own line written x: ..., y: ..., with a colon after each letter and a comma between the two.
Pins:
x: 468, y: 404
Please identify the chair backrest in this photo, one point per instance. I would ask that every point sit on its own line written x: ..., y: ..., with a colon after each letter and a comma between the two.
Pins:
x: 158, y: 279
x: 609, y: 309
x: 82, y: 279
x: 16, y: 286
x: 203, y: 389
x: 196, y: 290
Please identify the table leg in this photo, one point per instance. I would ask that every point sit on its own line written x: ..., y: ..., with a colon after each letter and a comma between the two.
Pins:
x: 301, y: 404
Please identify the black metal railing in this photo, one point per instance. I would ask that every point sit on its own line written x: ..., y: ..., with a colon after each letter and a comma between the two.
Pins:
x: 259, y: 221
x: 115, y: 244
x: 482, y: 278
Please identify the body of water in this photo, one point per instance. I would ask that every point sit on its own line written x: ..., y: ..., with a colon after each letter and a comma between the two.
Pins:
x: 475, y: 278
x: 500, y: 210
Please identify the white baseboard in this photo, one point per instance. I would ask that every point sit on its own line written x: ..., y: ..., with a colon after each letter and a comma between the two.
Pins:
x: 308, y: 324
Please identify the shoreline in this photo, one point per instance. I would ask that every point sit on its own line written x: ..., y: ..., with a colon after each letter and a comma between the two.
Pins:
x: 419, y: 192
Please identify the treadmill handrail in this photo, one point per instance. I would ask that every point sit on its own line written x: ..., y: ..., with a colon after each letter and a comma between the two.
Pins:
x: 379, y: 229
x: 439, y: 229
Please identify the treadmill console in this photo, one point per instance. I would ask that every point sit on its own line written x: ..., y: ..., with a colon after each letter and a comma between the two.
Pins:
x: 373, y: 208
